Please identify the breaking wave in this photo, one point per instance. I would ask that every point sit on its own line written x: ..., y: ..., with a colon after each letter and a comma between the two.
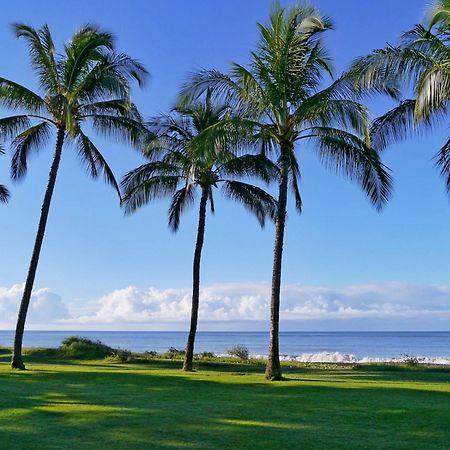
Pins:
x: 348, y: 358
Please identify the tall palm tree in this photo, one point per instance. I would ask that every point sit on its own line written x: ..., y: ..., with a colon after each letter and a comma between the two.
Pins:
x: 419, y: 64
x: 87, y: 83
x: 194, y: 149
x: 280, y: 93
x: 4, y: 193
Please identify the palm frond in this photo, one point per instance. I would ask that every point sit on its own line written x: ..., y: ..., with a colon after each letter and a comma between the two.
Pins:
x: 221, y: 85
x: 147, y: 182
x: 432, y: 90
x: 246, y: 94
x: 117, y: 106
x: 211, y: 200
x: 294, y: 179
x: 16, y: 96
x: 399, y: 124
x: 27, y: 142
x: 181, y: 200
x: 42, y: 53
x: 88, y: 45
x: 4, y: 194
x: 443, y: 163
x: 109, y: 77
x: 94, y: 161
x: 120, y: 128
x: 350, y: 156
x: 223, y: 139
x: 256, y: 200
x: 11, y: 126
x: 250, y: 166
x: 347, y: 114
x: 391, y: 65
x: 297, y: 196
x: 439, y: 14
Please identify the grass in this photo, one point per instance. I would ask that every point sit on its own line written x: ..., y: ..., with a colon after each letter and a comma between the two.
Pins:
x: 93, y: 404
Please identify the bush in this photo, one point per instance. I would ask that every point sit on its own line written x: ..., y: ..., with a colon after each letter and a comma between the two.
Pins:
x: 205, y: 355
x: 82, y: 348
x: 240, y: 351
x: 173, y: 353
x: 121, y: 356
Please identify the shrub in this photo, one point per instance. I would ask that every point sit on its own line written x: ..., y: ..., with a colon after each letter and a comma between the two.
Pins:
x: 173, y: 353
x: 82, y: 348
x: 121, y: 356
x: 206, y: 355
x: 240, y: 351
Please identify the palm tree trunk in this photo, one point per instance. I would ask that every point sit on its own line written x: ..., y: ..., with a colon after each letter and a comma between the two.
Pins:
x: 189, y: 355
x: 273, y: 367
x: 17, y: 361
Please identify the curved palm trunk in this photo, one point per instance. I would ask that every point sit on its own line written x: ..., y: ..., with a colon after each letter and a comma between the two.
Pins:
x: 273, y: 367
x: 17, y: 361
x: 189, y: 355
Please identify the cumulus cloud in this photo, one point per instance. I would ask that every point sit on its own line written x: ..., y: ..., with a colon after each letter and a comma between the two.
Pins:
x: 401, y: 305
x: 45, y: 306
x: 250, y: 302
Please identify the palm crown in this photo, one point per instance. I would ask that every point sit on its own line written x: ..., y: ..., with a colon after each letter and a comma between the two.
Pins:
x: 195, y: 147
x: 280, y: 92
x: 87, y: 83
x: 419, y: 63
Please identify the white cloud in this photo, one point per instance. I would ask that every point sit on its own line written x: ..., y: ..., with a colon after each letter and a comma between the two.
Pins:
x: 45, y: 306
x: 234, y: 305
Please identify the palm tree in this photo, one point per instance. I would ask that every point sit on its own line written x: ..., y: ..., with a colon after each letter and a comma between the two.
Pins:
x: 88, y: 83
x: 194, y: 149
x: 280, y: 93
x: 4, y: 193
x: 419, y: 63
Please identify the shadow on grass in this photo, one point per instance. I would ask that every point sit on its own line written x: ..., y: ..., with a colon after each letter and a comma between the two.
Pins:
x: 136, y: 406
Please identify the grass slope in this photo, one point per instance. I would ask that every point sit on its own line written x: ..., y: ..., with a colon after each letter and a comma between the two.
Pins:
x: 156, y: 406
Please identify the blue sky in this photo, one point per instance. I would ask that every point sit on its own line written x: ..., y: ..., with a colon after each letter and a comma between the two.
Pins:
x: 91, y: 250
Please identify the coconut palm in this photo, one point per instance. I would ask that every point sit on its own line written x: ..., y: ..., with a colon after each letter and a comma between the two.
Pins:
x: 418, y: 64
x: 88, y: 83
x: 280, y: 93
x: 4, y: 193
x: 194, y: 149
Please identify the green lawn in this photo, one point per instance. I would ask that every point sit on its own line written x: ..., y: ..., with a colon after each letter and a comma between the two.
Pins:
x: 95, y: 405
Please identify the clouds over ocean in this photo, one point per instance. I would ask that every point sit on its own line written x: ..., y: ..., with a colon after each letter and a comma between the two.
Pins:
x: 240, y: 306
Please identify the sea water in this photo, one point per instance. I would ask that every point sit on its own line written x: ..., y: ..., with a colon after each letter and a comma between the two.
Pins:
x: 431, y: 347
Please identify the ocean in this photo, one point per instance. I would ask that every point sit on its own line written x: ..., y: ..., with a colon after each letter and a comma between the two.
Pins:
x: 431, y: 347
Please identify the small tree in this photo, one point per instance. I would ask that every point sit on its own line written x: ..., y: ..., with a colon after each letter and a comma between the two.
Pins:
x: 240, y: 351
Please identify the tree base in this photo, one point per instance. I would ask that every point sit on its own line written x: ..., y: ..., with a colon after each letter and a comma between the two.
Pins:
x: 273, y: 372
x: 17, y: 363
